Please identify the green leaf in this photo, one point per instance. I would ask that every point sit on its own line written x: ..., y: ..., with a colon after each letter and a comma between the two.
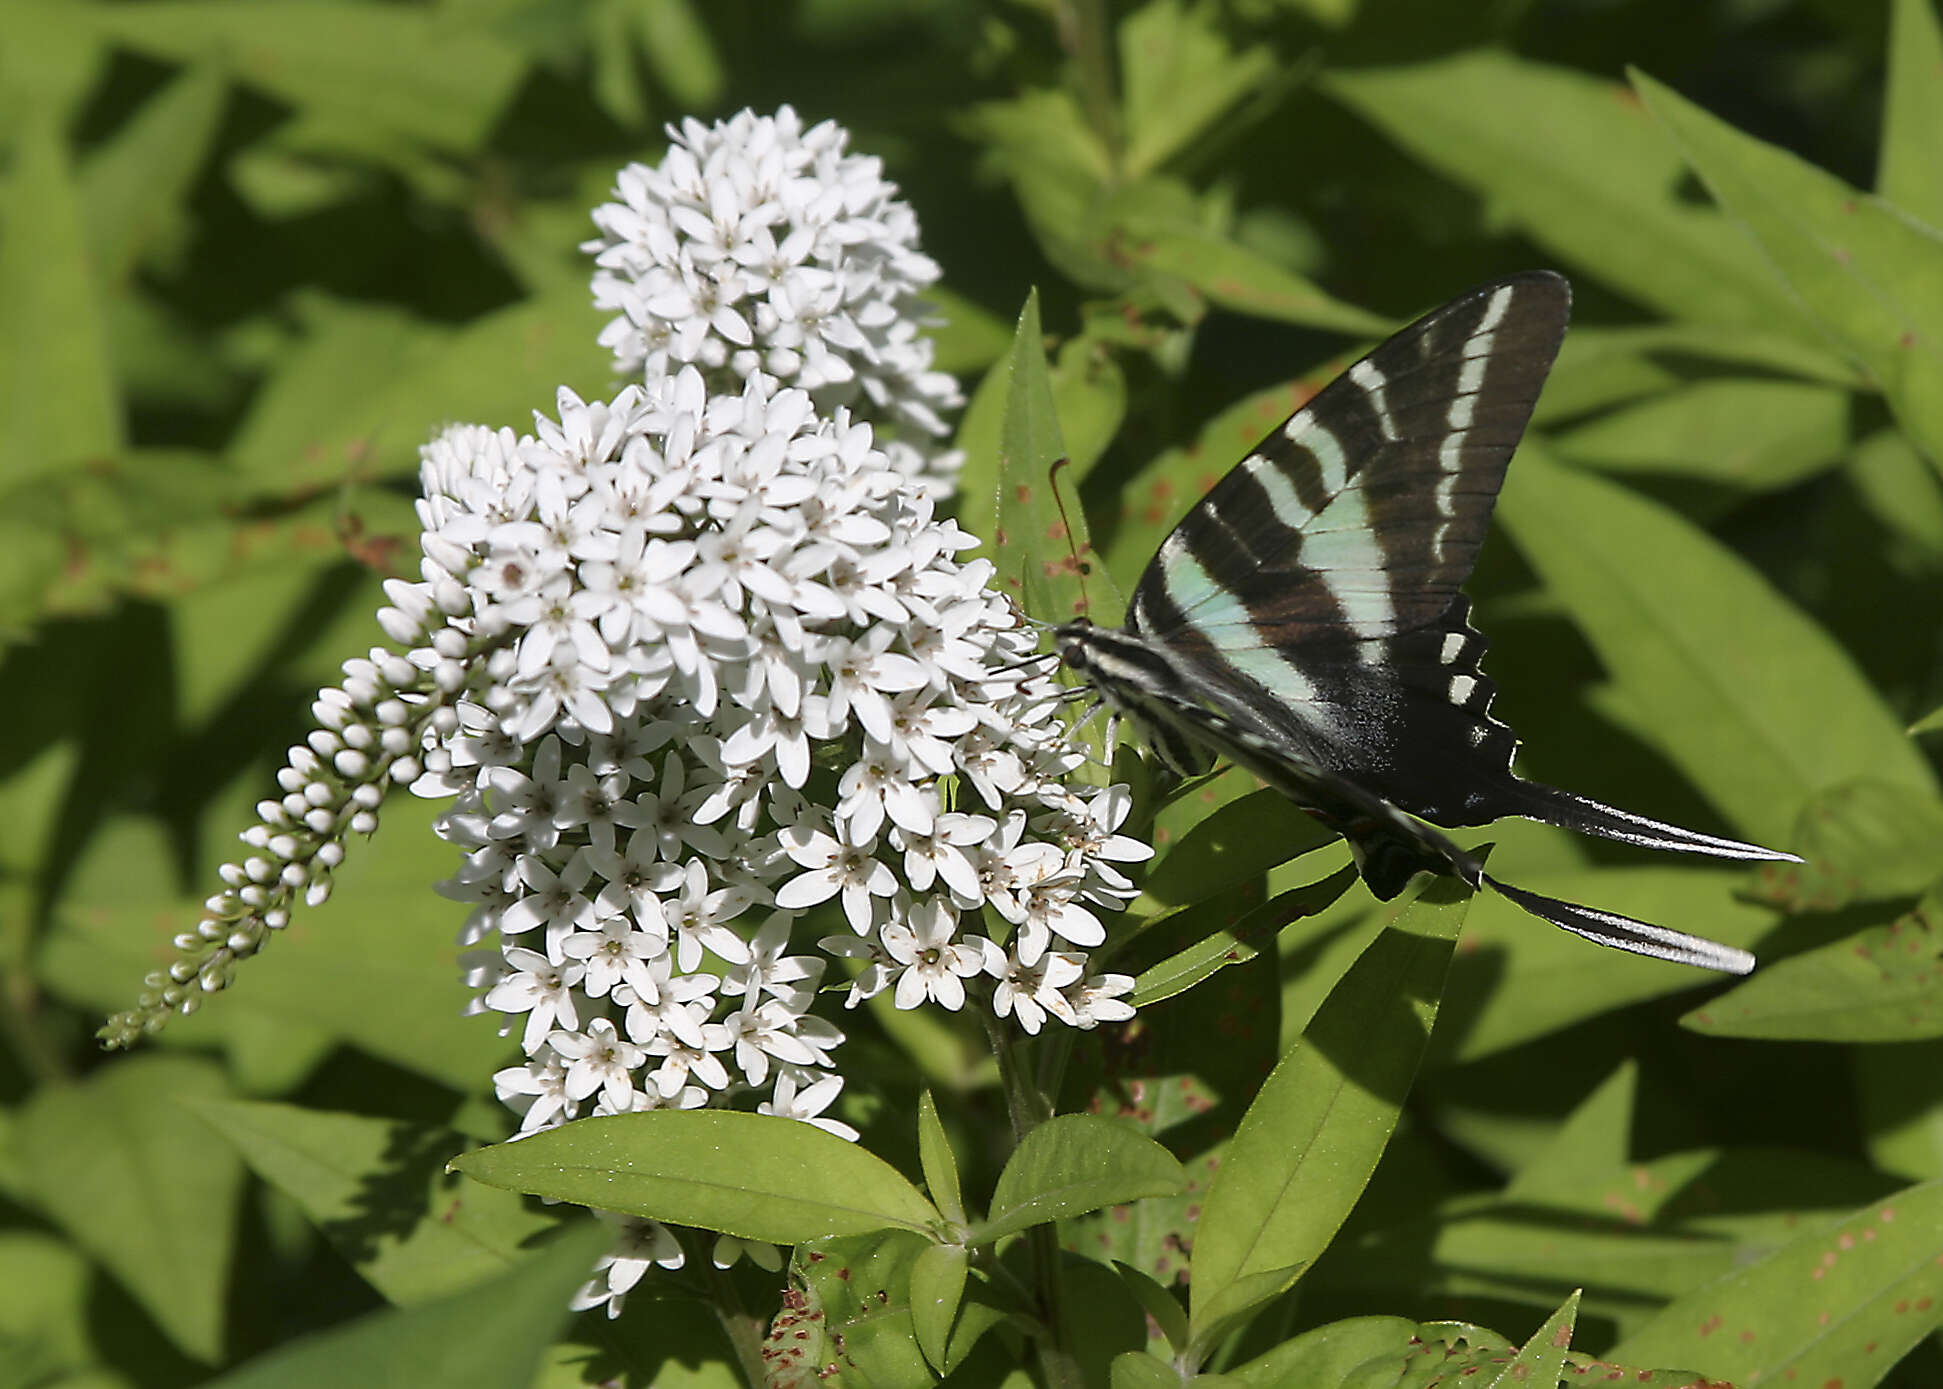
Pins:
x: 939, y: 1164
x: 1595, y: 1137
x: 855, y: 1324
x: 1238, y: 842
x: 680, y: 52
x: 1835, y: 1303
x: 1236, y: 278
x: 492, y: 1336
x: 1136, y: 1369
x: 937, y: 1286
x: 376, y: 965
x: 430, y: 75
x: 1090, y: 399
x: 755, y: 1176
x: 379, y: 1191
x: 1326, y: 1356
x: 1159, y: 1303
x: 1060, y: 171
x: 1219, y: 938
x: 1199, y: 1057
x: 369, y: 385
x: 1071, y: 1164
x: 1900, y: 492
x: 62, y: 403
x: 1576, y: 164
x: 1909, y: 173
x: 1884, y: 984
x: 1310, y: 1140
x: 1757, y: 705
x: 120, y: 1163
x: 1652, y: 1229
x: 1541, y: 1360
x: 1895, y: 1100
x: 1519, y: 979
x: 1178, y: 77
x: 1863, y: 841
x: 1864, y: 269
x: 1041, y: 545
x: 137, y: 185
x: 1748, y: 434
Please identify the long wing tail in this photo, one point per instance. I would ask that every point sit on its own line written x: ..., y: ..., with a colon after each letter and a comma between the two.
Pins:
x: 1536, y: 801
x: 1624, y: 933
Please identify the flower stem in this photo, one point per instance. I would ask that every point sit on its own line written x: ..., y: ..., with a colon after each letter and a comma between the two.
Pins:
x: 743, y: 1328
x: 1029, y: 1105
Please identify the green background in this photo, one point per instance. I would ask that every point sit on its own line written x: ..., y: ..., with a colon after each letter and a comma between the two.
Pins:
x: 251, y: 255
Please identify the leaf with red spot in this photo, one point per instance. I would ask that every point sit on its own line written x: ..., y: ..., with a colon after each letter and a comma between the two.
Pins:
x: 1840, y: 1304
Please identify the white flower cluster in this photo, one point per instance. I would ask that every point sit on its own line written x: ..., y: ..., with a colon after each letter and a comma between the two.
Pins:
x: 706, y: 680
x: 743, y: 675
x: 760, y: 246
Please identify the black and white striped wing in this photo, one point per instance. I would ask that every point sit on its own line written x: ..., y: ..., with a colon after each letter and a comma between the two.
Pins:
x: 1318, y: 583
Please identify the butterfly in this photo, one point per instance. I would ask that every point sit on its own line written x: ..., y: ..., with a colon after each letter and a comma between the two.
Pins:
x: 1306, y: 618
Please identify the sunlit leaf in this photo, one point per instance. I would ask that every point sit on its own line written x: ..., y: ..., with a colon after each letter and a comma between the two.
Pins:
x: 1577, y: 164
x: 1827, y: 1305
x: 1863, y: 267
x: 751, y: 1175
x: 1884, y: 984
x: 1314, y: 1133
x: 1909, y: 173
x: 1760, y: 707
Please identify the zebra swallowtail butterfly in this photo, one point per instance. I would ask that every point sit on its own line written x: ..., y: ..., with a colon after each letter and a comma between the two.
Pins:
x: 1305, y: 618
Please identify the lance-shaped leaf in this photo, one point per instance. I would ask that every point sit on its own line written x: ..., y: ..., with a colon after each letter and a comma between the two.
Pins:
x: 1759, y: 706
x: 1884, y: 984
x: 1307, y: 1145
x: 61, y: 399
x: 1862, y: 266
x: 1909, y: 174
x: 1541, y: 1360
x: 491, y: 1336
x: 755, y: 1176
x: 1044, y: 556
x: 1578, y: 166
x: 1217, y: 937
x: 376, y: 1190
x: 1839, y: 1304
x: 1072, y: 1164
x: 121, y: 1164
x: 1863, y: 841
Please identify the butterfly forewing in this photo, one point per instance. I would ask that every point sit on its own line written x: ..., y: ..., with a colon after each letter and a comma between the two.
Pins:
x: 1318, y: 582
x: 1305, y: 619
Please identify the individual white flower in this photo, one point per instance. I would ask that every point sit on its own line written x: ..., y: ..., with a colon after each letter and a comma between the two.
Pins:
x: 599, y: 1059
x: 540, y: 989
x: 617, y: 952
x: 639, y: 1244
x: 934, y: 966
x: 1028, y: 991
x: 1101, y: 998
x: 536, y: 1091
x: 699, y: 918
x: 808, y: 1102
x: 832, y: 867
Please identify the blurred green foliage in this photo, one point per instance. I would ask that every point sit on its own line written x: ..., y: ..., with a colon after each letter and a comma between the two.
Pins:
x: 252, y: 254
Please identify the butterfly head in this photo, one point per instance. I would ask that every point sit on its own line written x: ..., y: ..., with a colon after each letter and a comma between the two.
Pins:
x: 1074, y: 641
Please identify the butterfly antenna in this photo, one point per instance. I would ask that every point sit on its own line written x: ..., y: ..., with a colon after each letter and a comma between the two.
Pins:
x: 1085, y: 603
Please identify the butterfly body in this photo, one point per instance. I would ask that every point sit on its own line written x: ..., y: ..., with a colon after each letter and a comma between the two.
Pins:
x: 1306, y: 621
